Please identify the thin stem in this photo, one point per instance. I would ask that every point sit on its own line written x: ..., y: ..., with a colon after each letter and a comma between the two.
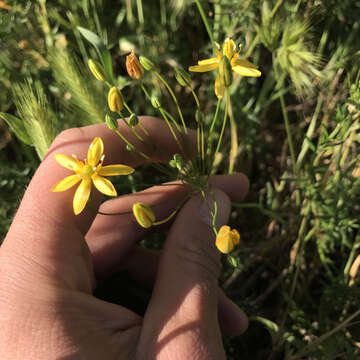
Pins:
x: 174, y: 99
x: 227, y: 97
x: 140, y: 12
x: 195, y: 97
x: 288, y: 133
x: 173, y: 213
x: 206, y: 23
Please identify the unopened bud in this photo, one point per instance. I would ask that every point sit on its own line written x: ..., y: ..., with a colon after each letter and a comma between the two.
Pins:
x: 227, y: 239
x: 182, y: 77
x: 155, y: 102
x: 115, y: 101
x: 177, y: 162
x: 130, y: 148
x: 143, y: 214
x: 199, y: 116
x: 97, y: 70
x: 133, y: 120
x: 133, y: 66
x: 146, y: 63
x: 111, y: 122
x: 225, y: 72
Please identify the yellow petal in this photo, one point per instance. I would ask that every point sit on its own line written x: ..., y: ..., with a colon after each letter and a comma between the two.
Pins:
x: 224, y: 243
x: 112, y: 170
x: 219, y: 87
x: 103, y: 185
x: 81, y: 196
x: 67, y: 161
x: 224, y: 230
x: 96, y: 149
x: 246, y: 71
x: 242, y: 62
x: 208, y: 61
x: 235, y: 236
x: 204, y: 68
x: 66, y: 183
x: 229, y: 48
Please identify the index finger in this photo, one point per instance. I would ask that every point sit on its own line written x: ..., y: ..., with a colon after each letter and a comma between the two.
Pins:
x: 45, y: 228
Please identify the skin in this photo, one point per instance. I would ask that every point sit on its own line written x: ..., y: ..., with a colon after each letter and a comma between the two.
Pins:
x: 51, y: 261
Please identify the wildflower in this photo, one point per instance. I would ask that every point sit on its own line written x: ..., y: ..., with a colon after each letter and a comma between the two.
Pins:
x: 89, y: 171
x: 240, y: 66
x: 227, y: 239
x: 133, y: 66
x: 115, y: 100
x: 144, y: 215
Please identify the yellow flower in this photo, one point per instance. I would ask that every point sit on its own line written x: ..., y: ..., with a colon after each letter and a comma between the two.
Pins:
x: 240, y: 66
x: 89, y: 171
x: 227, y: 239
x: 144, y: 215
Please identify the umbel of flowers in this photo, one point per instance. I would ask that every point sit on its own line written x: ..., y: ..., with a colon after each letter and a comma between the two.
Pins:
x: 192, y: 173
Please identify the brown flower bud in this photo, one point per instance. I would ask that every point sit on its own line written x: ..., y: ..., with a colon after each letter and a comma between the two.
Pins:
x: 133, y: 66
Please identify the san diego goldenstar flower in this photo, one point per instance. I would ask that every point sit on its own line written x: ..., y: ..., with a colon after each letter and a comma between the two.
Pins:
x: 87, y: 172
x: 240, y: 66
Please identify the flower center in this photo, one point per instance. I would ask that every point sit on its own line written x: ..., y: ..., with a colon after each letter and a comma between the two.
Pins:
x: 87, y: 170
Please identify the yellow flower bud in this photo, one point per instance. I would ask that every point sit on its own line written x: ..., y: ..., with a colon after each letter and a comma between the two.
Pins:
x: 115, y: 101
x: 97, y: 70
x: 227, y: 239
x: 143, y: 214
x: 133, y: 66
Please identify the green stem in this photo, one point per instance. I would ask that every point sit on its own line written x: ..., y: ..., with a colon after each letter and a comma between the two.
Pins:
x: 174, y: 99
x: 173, y: 213
x: 206, y: 23
x: 140, y: 12
x: 227, y: 97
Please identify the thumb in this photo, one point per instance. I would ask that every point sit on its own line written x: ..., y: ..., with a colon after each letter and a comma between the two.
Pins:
x: 182, y: 313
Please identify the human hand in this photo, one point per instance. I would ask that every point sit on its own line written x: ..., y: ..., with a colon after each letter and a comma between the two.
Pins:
x: 48, y: 271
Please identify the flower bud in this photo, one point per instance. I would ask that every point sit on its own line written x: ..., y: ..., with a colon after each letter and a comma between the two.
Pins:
x: 177, y: 162
x: 133, y: 66
x: 199, y: 116
x: 97, y: 70
x: 115, y: 101
x: 143, y: 214
x: 225, y: 72
x: 146, y: 63
x: 111, y: 122
x: 133, y: 121
x: 130, y: 148
x: 155, y: 102
x: 227, y: 239
x: 182, y: 77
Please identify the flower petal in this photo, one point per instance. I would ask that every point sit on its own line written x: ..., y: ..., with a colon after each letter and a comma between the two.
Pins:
x: 224, y: 243
x: 204, y: 68
x: 246, y: 71
x: 229, y: 48
x: 96, y: 149
x: 242, y: 62
x: 81, y: 196
x: 208, y: 61
x: 67, y: 161
x: 104, y: 185
x: 219, y: 87
x: 235, y: 236
x: 66, y: 183
x: 112, y: 170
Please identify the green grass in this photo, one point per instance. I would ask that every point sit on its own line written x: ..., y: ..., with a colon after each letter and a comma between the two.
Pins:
x: 297, y: 139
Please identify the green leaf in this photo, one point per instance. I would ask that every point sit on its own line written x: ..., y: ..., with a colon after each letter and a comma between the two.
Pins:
x: 101, y: 48
x: 17, y: 127
x: 92, y: 38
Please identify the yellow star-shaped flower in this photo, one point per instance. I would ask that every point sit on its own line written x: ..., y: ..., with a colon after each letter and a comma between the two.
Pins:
x: 240, y: 66
x: 88, y: 172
